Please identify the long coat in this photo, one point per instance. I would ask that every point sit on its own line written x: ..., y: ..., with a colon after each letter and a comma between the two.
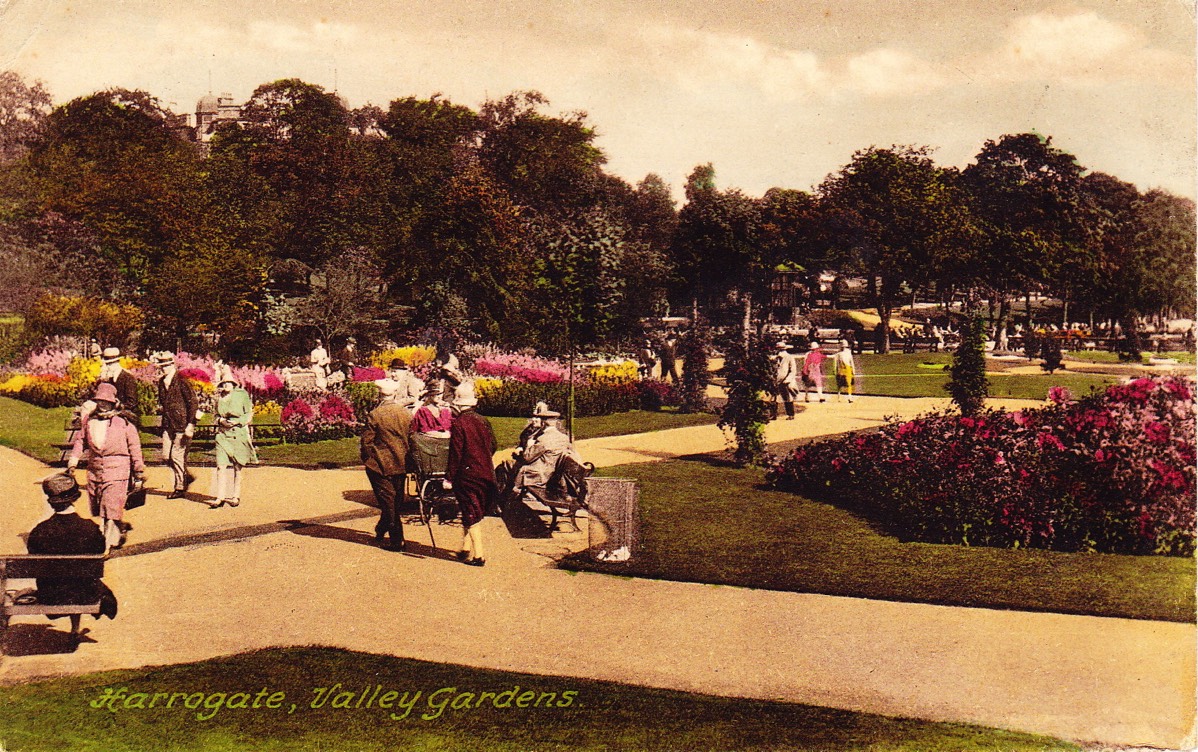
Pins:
x: 471, y: 445
x: 234, y: 441
x: 385, y: 439
x: 68, y: 534
x: 109, y: 463
x: 179, y: 404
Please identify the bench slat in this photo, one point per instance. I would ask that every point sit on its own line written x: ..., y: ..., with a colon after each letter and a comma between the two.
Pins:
x: 31, y: 566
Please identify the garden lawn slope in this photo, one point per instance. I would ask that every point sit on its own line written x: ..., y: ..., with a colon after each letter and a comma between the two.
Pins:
x: 704, y: 521
x: 597, y: 716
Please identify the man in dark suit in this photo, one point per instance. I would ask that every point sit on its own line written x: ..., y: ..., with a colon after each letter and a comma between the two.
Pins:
x: 180, y: 411
x: 470, y: 470
x: 66, y: 533
x: 126, y: 386
x: 385, y: 452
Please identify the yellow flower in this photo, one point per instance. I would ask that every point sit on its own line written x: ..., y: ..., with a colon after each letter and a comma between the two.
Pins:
x: 414, y: 356
x: 485, y: 385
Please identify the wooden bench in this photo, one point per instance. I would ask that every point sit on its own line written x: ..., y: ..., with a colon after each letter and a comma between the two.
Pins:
x: 558, y: 496
x: 32, y: 566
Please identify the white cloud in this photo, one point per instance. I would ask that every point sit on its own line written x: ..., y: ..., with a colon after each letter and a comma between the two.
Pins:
x: 714, y: 63
x: 889, y: 72
x: 1083, y: 49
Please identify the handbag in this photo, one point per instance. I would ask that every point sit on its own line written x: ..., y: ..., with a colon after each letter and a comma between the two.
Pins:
x: 136, y: 496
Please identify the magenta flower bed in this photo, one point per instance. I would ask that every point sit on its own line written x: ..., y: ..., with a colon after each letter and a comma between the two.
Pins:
x: 526, y: 368
x: 317, y: 417
x: 1109, y: 473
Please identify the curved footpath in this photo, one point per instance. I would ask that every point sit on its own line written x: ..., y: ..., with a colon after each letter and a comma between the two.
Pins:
x: 296, y: 565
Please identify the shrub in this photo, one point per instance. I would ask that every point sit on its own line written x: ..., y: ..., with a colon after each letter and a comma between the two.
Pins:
x: 317, y: 418
x: 968, y: 385
x: 1051, y: 352
x: 414, y: 355
x: 364, y: 396
x: 693, y: 350
x: 656, y: 394
x: 750, y: 376
x: 1112, y: 473
x: 511, y: 398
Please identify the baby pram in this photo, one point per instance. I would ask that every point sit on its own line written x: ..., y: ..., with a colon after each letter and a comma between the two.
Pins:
x: 430, y: 457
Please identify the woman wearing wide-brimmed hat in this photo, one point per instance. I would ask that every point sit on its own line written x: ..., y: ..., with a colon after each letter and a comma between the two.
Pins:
x: 234, y: 445
x: 113, y: 449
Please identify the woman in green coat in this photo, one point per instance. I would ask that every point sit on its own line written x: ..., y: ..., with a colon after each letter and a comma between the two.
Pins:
x: 234, y: 447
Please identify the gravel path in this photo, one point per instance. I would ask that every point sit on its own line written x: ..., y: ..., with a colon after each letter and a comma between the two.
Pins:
x: 295, y: 565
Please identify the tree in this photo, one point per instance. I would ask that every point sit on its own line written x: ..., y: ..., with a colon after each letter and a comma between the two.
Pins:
x: 891, y: 213
x: 1024, y: 193
x: 295, y: 136
x: 345, y: 297
x: 578, y: 284
x: 23, y: 111
x: 112, y: 162
x: 715, y: 250
x: 547, y: 163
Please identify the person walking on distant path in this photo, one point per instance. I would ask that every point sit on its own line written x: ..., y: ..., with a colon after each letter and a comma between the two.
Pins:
x: 842, y: 365
x: 180, y: 412
x: 786, y: 379
x: 813, y: 372
x: 668, y: 353
x: 385, y: 444
x: 471, y: 476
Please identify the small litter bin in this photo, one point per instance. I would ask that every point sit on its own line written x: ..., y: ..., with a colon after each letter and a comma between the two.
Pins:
x: 613, y: 523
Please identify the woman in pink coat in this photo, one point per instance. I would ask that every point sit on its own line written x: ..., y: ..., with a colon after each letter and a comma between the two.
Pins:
x: 113, y: 448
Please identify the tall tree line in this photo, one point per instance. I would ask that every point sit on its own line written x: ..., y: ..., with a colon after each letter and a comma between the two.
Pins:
x: 502, y: 223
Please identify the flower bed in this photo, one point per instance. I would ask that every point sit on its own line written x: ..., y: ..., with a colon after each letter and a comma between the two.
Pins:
x: 317, y: 417
x: 1110, y: 473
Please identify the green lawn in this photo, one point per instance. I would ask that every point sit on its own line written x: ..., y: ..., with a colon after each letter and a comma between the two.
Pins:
x: 31, y: 429
x: 706, y: 522
x: 599, y: 716
x: 908, y: 375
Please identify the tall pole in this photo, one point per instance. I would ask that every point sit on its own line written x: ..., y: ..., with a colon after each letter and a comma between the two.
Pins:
x: 570, y: 405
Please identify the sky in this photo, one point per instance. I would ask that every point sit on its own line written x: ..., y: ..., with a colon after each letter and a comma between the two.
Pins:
x: 771, y: 93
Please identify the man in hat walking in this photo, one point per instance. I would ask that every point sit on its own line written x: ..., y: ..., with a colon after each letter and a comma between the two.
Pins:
x: 113, y: 449
x: 471, y: 476
x: 384, y: 450
x: 180, y: 412
x: 65, y: 533
x: 786, y: 379
x: 113, y: 373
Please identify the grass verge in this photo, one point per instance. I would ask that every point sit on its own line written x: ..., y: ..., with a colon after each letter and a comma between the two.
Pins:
x: 57, y: 714
x: 703, y: 521
x: 33, y: 430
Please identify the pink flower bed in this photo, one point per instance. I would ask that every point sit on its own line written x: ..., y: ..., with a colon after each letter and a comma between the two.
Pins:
x: 317, y: 417
x: 525, y: 368
x: 1109, y: 473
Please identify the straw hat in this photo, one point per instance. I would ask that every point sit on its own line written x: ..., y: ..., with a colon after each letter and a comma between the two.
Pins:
x: 61, y: 490
x: 543, y: 411
x: 463, y: 396
x: 111, y: 355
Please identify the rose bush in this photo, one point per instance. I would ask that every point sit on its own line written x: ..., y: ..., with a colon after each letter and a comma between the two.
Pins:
x: 1111, y: 473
